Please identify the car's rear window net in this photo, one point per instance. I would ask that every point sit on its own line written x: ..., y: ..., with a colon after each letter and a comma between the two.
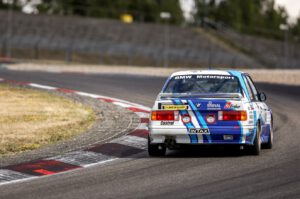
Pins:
x: 203, y: 84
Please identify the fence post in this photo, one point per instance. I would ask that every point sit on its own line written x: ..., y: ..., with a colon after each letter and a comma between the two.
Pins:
x: 36, y: 50
x: 3, y: 47
x: 9, y: 30
x: 69, y: 52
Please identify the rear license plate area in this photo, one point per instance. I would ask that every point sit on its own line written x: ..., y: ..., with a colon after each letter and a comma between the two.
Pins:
x: 199, y: 131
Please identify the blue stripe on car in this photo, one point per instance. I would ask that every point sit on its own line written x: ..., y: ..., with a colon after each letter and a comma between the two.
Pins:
x: 239, y: 76
x: 255, y: 126
x: 201, y: 121
x: 193, y: 137
x: 242, y: 130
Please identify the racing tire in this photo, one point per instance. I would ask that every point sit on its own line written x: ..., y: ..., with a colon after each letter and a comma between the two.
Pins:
x: 156, y: 150
x: 256, y: 148
x: 269, y: 144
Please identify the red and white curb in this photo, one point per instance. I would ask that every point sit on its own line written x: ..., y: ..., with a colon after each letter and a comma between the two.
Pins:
x: 125, y: 146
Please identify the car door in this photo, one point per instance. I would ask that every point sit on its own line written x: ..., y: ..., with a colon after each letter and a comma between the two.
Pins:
x: 261, y: 107
x: 254, y: 105
x: 253, y: 98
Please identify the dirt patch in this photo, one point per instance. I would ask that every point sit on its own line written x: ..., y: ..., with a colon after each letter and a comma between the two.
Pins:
x: 30, y: 119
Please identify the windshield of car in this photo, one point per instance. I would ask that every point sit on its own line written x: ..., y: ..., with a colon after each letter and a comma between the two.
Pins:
x: 203, y: 84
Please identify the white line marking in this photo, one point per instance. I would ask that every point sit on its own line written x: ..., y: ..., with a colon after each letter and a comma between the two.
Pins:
x: 9, y: 175
x: 128, y: 104
x: 143, y: 126
x: 42, y: 86
x: 87, y: 94
x: 122, y: 104
x: 141, y: 107
x: 142, y: 114
x: 133, y: 141
x: 80, y: 158
x: 99, y: 163
x: 46, y: 176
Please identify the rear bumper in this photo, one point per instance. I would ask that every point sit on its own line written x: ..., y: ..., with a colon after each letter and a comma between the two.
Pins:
x: 218, y: 135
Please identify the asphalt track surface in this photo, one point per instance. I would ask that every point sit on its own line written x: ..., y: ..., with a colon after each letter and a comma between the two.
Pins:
x: 205, y: 173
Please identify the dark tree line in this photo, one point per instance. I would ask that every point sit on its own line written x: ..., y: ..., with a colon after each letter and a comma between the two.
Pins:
x: 258, y: 17
x: 141, y: 10
x: 296, y: 29
x: 15, y: 5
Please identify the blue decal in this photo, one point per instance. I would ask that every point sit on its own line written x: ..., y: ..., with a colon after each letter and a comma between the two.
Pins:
x: 255, y: 126
x: 239, y: 76
x: 193, y: 137
x: 200, y: 120
x: 242, y: 130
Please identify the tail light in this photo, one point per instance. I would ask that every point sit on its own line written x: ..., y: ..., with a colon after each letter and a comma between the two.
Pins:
x: 232, y: 115
x: 164, y: 115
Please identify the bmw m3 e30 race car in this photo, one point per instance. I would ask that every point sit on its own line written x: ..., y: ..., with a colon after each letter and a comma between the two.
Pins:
x: 210, y: 107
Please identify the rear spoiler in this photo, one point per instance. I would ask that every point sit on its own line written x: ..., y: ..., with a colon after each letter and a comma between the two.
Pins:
x: 237, y: 96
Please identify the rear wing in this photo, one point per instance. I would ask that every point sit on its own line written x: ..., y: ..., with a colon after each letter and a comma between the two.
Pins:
x: 166, y: 96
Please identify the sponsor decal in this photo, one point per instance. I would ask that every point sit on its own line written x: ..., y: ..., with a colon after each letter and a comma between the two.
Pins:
x: 229, y: 105
x: 186, y: 119
x: 199, y: 131
x: 215, y: 77
x: 251, y: 107
x: 228, y: 137
x: 210, y: 119
x: 166, y: 123
x: 183, y: 77
x: 211, y: 105
x: 198, y: 105
x: 221, y: 77
x: 175, y: 107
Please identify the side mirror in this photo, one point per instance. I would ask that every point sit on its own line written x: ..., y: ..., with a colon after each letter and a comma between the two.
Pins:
x: 262, y: 97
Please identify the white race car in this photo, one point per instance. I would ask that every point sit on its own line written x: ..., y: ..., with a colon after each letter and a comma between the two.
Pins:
x: 209, y: 107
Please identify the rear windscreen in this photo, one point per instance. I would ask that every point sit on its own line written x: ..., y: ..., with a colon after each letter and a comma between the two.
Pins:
x: 203, y: 84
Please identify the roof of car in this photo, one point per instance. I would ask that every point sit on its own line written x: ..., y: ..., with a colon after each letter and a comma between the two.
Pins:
x: 206, y: 72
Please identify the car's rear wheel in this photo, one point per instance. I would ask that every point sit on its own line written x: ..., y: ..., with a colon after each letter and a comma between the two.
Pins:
x: 156, y: 150
x: 256, y: 148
